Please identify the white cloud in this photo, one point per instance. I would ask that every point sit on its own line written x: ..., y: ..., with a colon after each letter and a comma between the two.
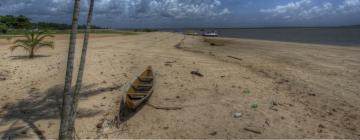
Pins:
x: 290, y: 7
x: 349, y: 6
x: 307, y: 9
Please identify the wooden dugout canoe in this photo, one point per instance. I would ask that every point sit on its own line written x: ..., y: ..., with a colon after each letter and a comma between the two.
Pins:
x: 141, y: 89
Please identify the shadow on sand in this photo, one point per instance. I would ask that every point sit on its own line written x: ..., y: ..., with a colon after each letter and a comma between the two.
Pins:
x: 42, y: 106
x: 21, y: 57
x: 126, y: 113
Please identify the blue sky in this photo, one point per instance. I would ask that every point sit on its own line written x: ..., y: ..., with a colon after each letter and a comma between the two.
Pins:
x: 194, y: 13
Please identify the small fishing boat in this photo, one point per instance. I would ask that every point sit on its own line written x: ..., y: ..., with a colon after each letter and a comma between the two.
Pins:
x: 141, y: 89
x: 211, y: 34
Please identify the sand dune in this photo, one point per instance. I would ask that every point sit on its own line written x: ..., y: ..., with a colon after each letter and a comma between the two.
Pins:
x: 282, y: 90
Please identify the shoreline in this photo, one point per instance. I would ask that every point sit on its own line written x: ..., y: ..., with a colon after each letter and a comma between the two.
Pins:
x: 330, y: 36
x: 288, y: 42
x: 299, y: 42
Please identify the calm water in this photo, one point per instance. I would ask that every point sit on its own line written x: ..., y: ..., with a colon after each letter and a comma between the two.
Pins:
x: 331, y: 36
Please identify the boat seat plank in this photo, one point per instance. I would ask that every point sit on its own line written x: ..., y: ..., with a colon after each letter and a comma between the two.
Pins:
x: 144, y: 85
x: 137, y: 94
x: 145, y: 79
x: 141, y: 88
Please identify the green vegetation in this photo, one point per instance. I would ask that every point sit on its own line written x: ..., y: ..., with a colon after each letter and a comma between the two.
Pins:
x: 145, y: 30
x: 16, y: 22
x: 110, y: 31
x: 13, y: 22
x: 246, y: 91
x: 95, y: 31
x: 3, y: 28
x: 18, y: 25
x: 33, y: 41
x: 254, y: 105
x: 13, y: 26
x: 59, y: 26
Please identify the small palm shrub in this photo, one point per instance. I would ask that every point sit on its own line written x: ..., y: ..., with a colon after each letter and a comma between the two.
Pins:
x: 33, y: 41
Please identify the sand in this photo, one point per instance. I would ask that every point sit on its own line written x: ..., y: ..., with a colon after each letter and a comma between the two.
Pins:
x: 280, y: 89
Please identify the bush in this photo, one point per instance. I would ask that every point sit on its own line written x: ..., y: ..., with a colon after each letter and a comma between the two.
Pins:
x: 145, y: 30
x: 3, y: 28
x: 149, y: 30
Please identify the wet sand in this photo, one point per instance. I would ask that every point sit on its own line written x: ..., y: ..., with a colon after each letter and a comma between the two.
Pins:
x: 282, y: 90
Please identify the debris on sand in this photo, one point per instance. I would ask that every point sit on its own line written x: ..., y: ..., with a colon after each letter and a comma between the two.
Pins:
x: 197, y: 73
x: 99, y: 125
x: 253, y: 131
x: 2, y: 78
x: 273, y: 104
x: 163, y: 108
x: 211, y: 53
x: 321, y: 126
x: 235, y: 58
x: 3, y: 75
x: 237, y: 115
x: 213, y: 133
x: 169, y: 63
x: 178, y: 45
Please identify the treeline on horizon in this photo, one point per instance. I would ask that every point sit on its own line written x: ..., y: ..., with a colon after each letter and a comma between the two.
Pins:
x: 10, y: 22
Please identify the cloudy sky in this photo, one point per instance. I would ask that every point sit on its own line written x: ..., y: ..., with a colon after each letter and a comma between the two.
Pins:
x: 194, y: 13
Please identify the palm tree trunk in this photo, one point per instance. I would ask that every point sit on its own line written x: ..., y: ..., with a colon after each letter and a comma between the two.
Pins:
x: 67, y: 98
x: 81, y: 69
x: 31, y: 52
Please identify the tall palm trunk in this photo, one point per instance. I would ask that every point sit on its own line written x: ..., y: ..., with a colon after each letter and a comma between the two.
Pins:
x: 81, y: 69
x: 67, y: 98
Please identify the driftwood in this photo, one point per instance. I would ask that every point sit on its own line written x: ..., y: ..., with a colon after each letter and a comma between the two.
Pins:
x: 235, y: 58
x: 253, y: 131
x: 197, y: 73
x: 163, y: 108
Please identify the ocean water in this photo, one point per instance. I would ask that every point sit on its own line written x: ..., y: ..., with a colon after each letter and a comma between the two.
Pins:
x: 329, y: 36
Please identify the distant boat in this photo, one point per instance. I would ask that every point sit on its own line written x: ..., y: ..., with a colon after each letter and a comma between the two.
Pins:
x: 211, y: 34
x: 191, y: 33
x: 140, y: 90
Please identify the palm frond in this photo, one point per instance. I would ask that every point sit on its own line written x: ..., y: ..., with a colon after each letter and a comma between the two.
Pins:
x: 42, y: 37
x: 23, y: 42
x: 27, y: 35
x: 48, y: 44
x: 38, y: 34
x: 12, y: 48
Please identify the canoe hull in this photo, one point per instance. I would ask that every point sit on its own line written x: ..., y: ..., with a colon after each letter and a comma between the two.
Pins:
x: 140, y: 89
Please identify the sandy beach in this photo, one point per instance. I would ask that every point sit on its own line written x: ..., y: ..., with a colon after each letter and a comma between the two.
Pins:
x: 281, y: 89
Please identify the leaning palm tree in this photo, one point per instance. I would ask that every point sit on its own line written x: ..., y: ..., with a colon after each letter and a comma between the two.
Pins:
x: 33, y: 41
x: 64, y: 132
